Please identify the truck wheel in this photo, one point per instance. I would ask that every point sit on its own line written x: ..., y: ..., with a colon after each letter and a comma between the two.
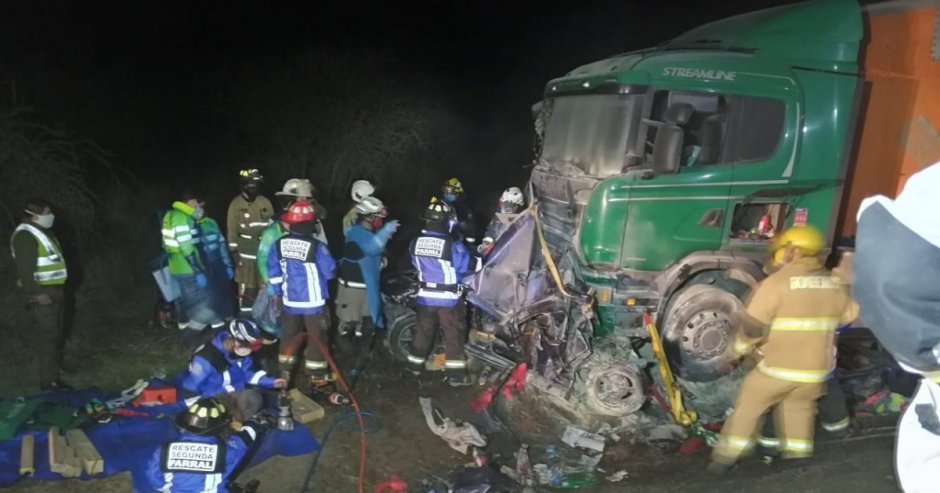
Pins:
x: 698, y: 332
x: 614, y: 390
x: 400, y: 333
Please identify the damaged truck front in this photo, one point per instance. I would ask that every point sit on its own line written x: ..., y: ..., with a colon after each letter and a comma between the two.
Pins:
x: 662, y: 176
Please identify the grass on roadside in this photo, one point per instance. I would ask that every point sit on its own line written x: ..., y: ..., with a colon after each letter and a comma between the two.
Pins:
x: 111, y: 345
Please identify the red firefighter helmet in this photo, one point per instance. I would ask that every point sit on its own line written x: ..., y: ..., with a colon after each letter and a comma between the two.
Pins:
x: 300, y: 211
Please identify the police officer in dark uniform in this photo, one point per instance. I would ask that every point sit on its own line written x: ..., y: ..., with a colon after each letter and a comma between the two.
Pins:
x: 42, y: 273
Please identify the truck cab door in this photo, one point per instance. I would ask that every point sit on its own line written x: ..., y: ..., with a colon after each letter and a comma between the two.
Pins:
x: 678, y: 205
x: 759, y: 146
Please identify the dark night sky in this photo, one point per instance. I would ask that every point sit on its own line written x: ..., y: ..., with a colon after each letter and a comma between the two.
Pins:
x: 127, y: 74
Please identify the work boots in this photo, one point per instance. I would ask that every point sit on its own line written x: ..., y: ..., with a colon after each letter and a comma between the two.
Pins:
x: 320, y: 379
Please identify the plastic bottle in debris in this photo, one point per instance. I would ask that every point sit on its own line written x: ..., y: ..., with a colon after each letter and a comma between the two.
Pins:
x: 285, y: 421
x: 524, y: 464
x: 338, y: 399
x: 578, y: 480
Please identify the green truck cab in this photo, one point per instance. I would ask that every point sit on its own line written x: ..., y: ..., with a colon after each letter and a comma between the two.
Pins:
x: 664, y: 173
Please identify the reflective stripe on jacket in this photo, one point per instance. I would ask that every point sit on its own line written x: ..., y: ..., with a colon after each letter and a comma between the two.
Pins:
x: 299, y: 268
x: 50, y: 263
x: 214, y: 370
x: 245, y: 222
x: 803, y: 304
x: 180, y: 237
x: 161, y: 475
x: 442, y: 263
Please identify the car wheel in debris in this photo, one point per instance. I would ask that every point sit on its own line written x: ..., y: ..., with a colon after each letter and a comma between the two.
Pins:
x: 614, y: 390
x: 698, y: 332
x: 400, y: 333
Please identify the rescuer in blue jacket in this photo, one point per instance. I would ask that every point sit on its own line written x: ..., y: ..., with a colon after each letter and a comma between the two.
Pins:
x: 223, y: 368
x: 299, y: 267
x: 441, y: 262
x: 214, y: 253
x: 359, y: 297
x: 207, y: 452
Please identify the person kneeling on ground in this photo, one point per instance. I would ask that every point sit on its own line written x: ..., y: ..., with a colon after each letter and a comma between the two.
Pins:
x: 207, y: 452
x: 223, y: 367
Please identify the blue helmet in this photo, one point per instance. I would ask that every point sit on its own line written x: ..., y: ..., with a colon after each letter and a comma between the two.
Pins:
x: 245, y: 331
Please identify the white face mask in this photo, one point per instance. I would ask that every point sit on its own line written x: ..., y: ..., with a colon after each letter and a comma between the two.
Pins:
x: 243, y: 351
x: 45, y: 220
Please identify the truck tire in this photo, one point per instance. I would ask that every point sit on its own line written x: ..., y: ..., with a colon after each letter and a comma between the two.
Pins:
x: 613, y: 389
x: 698, y: 332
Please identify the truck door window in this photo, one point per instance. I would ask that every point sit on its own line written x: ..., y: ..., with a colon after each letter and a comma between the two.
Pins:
x: 718, y: 128
x: 758, y: 222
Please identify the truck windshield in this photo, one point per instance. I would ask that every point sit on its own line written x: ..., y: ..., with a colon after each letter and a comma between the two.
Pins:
x: 590, y: 132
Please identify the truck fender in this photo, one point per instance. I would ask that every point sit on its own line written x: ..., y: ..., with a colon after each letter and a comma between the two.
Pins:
x: 744, y: 269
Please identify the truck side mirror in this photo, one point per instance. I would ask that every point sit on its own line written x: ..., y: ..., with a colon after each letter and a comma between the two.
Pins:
x: 667, y: 150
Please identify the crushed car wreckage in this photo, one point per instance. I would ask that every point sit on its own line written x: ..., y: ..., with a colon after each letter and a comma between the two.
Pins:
x: 525, y: 313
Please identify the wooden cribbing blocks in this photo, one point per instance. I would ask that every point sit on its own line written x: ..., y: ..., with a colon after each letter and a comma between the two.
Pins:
x: 27, y: 454
x: 62, y: 459
x: 304, y: 409
x: 73, y: 453
x: 91, y: 460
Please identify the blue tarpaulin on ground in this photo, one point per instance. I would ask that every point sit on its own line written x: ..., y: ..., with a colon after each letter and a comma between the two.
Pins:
x: 126, y: 443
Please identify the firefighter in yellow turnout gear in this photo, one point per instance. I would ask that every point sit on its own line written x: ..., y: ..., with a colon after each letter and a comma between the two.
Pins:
x: 248, y: 215
x: 790, y: 320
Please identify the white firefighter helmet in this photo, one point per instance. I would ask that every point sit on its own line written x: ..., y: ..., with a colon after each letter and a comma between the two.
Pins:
x: 297, y: 187
x: 362, y: 189
x: 369, y: 206
x: 512, y: 195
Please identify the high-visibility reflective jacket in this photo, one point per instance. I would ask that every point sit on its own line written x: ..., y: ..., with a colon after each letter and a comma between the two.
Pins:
x: 803, y: 304
x: 442, y: 262
x: 300, y: 267
x: 269, y: 236
x: 245, y: 223
x: 214, y: 370
x: 49, y: 268
x: 180, y: 240
x: 199, y: 463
